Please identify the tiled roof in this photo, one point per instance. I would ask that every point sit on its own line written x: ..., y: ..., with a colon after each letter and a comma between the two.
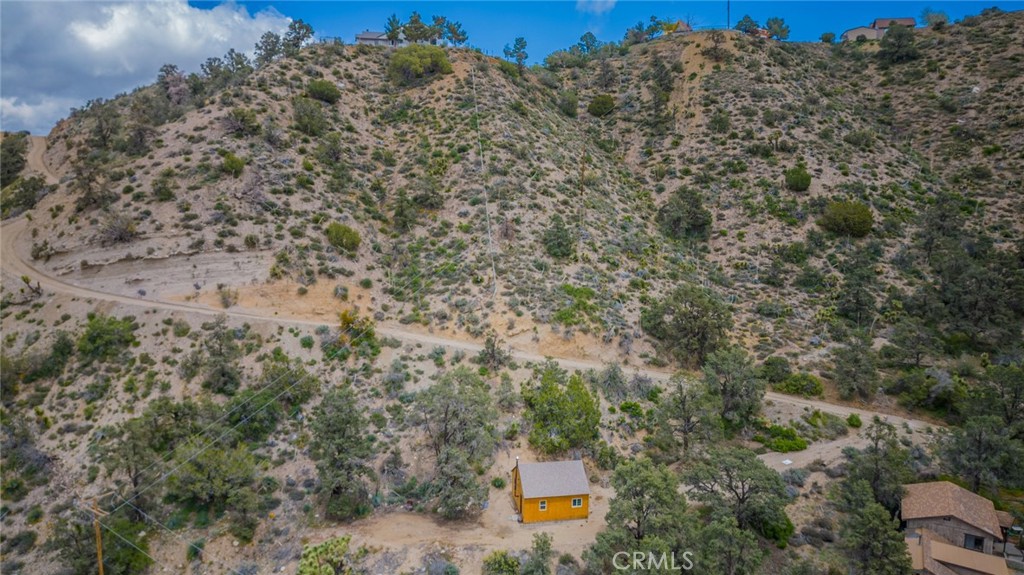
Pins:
x: 944, y: 499
x: 886, y: 22
x: 1005, y: 519
x: 931, y: 553
x: 553, y: 479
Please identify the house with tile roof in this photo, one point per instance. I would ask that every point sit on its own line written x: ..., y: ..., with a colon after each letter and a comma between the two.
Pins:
x: 951, y: 531
x: 877, y: 29
x: 550, y: 491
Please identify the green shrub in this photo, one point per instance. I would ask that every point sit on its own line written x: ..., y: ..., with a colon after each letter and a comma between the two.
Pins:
x: 854, y: 420
x: 557, y: 238
x: 508, y: 68
x: 105, y: 337
x: 233, y: 164
x: 798, y: 179
x: 34, y: 515
x: 242, y: 122
x: 498, y: 483
x: 23, y: 542
x: 500, y: 562
x: 195, y: 550
x: 323, y: 90
x: 632, y: 408
x: 719, y: 122
x: 417, y: 61
x: 568, y: 102
x: 775, y: 369
x: 309, y: 117
x: 343, y: 237
x: 803, y: 384
x: 684, y: 215
x: 601, y: 105
x: 847, y: 218
x: 778, y: 531
x: 782, y: 439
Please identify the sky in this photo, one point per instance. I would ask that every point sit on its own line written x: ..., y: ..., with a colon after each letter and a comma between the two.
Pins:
x: 59, y: 55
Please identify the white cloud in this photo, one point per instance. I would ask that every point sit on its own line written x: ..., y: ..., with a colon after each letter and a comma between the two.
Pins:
x: 54, y: 55
x: 595, y: 6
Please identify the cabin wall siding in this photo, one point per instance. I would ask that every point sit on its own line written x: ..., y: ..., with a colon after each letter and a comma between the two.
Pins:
x: 559, y: 509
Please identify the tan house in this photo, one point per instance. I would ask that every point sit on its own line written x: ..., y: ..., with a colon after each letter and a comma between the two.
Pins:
x: 876, y: 30
x: 867, y: 32
x: 951, y: 531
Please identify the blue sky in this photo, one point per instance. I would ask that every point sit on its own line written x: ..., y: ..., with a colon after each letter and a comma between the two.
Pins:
x: 56, y: 55
x: 548, y: 26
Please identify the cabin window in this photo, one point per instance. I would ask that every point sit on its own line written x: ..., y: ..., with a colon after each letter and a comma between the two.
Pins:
x: 973, y: 542
x: 577, y: 502
x: 543, y: 505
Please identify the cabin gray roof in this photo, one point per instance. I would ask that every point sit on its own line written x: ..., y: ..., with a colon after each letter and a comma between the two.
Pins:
x: 553, y: 479
x: 368, y: 35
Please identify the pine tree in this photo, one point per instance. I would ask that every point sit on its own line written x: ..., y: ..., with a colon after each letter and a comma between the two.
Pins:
x: 871, y: 537
x: 343, y: 453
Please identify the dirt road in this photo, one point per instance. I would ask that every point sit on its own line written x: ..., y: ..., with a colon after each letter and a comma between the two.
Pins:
x: 14, y: 260
x: 36, y: 160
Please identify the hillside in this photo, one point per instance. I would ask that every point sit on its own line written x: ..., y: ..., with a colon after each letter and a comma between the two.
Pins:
x: 326, y: 222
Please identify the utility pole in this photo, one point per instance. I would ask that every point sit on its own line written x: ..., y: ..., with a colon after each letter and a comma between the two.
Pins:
x: 99, y: 535
x: 728, y: 14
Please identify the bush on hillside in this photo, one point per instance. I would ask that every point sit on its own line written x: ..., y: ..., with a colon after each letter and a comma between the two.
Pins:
x: 775, y: 369
x: 803, y: 384
x: 568, y: 102
x: 417, y: 61
x: 233, y: 164
x: 343, y: 237
x: 798, y: 179
x: 601, y: 105
x: 323, y: 90
x: 684, y: 215
x: 847, y: 218
x: 557, y: 238
x: 309, y: 117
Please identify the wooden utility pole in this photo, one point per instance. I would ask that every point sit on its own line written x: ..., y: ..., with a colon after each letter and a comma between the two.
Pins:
x: 99, y: 535
x: 96, y: 513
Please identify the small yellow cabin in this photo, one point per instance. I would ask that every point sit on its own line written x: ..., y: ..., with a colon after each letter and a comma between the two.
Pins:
x: 550, y: 491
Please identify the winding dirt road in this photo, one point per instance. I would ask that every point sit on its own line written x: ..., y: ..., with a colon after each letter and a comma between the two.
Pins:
x: 36, y: 160
x: 14, y: 259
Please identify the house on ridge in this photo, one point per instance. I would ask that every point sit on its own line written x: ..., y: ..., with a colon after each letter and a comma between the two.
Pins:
x: 371, y: 38
x: 877, y: 29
